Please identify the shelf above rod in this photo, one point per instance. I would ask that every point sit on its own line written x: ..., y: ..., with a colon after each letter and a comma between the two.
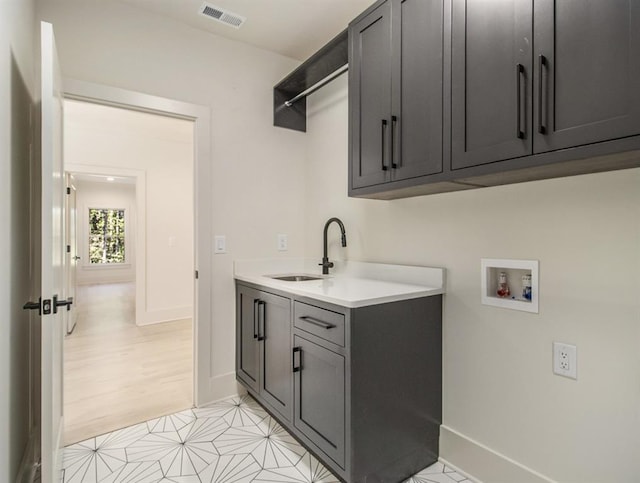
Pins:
x: 322, y: 67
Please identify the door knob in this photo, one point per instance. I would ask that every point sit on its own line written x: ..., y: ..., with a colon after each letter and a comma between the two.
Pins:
x: 42, y: 306
x: 61, y: 303
x: 34, y: 306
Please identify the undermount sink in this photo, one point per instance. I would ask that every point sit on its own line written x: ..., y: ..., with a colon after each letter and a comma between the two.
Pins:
x: 295, y: 278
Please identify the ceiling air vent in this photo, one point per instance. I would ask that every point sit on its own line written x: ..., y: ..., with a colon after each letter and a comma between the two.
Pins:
x: 221, y: 15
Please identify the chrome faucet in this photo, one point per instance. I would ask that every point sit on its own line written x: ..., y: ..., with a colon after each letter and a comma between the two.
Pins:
x: 326, y: 264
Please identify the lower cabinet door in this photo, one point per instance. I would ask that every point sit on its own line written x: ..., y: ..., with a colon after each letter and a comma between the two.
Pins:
x: 247, y: 346
x: 319, y: 390
x: 274, y: 333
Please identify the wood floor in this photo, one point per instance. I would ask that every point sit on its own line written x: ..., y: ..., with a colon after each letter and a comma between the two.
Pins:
x: 116, y: 373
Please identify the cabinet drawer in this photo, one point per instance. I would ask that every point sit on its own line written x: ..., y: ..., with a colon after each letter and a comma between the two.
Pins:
x: 323, y: 323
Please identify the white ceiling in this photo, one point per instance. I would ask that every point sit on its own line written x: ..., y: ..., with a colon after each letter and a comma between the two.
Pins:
x: 293, y: 28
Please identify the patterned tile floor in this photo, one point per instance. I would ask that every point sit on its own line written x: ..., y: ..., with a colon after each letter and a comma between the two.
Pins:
x: 234, y: 440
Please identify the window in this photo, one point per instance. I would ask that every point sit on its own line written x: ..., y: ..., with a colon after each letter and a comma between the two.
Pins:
x: 106, y: 236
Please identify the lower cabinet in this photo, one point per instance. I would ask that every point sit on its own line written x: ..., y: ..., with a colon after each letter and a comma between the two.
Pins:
x: 263, y: 347
x: 361, y: 388
x: 319, y: 396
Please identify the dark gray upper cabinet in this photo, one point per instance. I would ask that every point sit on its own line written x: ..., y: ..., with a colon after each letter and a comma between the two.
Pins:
x: 370, y: 96
x: 529, y: 80
x: 417, y: 83
x: 263, y: 339
x: 396, y: 92
x: 447, y: 95
x: 587, y: 61
x: 491, y: 81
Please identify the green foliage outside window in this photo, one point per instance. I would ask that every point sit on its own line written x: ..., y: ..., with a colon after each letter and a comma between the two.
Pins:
x: 106, y: 236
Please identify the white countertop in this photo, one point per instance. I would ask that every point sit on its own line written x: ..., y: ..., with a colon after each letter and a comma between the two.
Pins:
x: 349, y: 284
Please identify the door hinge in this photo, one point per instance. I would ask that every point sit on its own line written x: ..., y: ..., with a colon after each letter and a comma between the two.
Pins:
x: 68, y: 190
x: 68, y: 248
x: 196, y: 275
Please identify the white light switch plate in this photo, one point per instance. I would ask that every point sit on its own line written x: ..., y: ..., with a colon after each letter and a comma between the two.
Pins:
x: 219, y: 244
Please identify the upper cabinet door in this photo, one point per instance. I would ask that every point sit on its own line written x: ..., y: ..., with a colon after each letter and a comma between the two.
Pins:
x: 587, y: 58
x: 370, y: 97
x: 417, y: 88
x: 491, y: 81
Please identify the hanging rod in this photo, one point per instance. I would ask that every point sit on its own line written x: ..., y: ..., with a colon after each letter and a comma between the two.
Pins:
x: 317, y: 85
x: 289, y: 95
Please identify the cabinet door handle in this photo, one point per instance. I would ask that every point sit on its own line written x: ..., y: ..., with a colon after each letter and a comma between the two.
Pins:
x: 261, y: 316
x: 317, y: 322
x: 394, y: 123
x: 298, y: 366
x: 542, y: 64
x: 256, y: 315
x: 383, y: 136
x: 519, y: 74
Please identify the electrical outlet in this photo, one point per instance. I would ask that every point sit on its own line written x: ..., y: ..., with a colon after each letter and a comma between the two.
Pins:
x: 283, y: 245
x: 565, y: 362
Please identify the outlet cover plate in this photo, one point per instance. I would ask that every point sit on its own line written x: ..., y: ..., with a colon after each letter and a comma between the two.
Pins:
x: 283, y: 244
x: 565, y: 361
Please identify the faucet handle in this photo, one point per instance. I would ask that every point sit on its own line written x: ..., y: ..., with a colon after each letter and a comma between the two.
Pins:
x: 326, y: 265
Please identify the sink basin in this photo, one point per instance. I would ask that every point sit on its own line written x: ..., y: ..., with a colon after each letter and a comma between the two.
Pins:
x: 295, y: 278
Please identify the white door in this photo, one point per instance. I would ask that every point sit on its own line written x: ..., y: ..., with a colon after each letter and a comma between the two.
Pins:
x: 71, y: 256
x: 52, y: 252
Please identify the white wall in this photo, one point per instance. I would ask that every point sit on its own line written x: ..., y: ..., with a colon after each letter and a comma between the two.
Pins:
x: 115, y: 44
x: 101, y: 138
x: 499, y: 389
x: 17, y: 85
x: 105, y: 195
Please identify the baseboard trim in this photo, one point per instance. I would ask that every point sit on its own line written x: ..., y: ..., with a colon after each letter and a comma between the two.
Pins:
x: 220, y: 388
x: 480, y: 463
x: 150, y: 317
x: 457, y: 469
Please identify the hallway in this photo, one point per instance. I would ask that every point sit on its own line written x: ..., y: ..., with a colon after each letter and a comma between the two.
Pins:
x: 117, y: 374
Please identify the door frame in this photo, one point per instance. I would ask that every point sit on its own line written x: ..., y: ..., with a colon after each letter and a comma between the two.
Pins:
x: 201, y: 117
x: 139, y: 217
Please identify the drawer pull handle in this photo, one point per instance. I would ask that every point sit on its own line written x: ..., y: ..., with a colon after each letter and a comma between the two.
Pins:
x: 296, y: 350
x: 318, y: 322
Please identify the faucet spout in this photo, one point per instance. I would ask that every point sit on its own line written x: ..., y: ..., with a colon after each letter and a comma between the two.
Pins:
x: 326, y: 264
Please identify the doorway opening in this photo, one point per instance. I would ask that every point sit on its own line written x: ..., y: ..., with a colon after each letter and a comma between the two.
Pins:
x: 129, y: 352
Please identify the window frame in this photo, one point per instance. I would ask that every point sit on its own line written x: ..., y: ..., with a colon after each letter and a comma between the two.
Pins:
x: 87, y: 242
